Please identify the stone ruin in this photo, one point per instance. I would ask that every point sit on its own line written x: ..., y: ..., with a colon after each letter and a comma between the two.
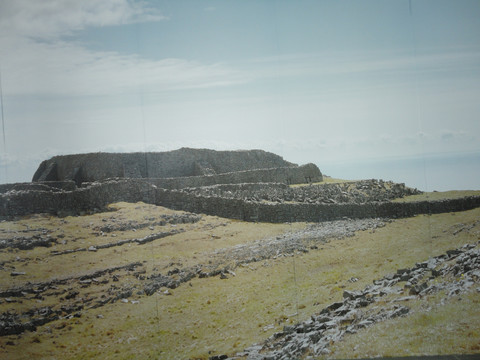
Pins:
x: 249, y: 185
x: 184, y: 162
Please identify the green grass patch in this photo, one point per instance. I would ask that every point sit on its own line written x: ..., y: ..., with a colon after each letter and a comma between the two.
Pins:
x: 439, y: 195
x: 431, y: 329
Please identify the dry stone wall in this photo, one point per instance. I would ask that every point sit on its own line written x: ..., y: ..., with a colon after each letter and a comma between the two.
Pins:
x: 97, y: 196
x: 288, y: 175
x: 292, y: 212
x: 171, y: 164
x: 92, y: 198
x: 257, y: 189
x: 46, y: 186
x: 351, y: 192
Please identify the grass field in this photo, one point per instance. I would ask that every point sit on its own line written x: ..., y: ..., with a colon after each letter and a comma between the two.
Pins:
x: 208, y: 316
x: 439, y: 195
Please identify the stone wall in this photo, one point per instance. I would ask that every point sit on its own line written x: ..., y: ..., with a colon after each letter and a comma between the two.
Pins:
x: 246, y: 185
x: 294, y: 212
x: 288, y: 175
x: 179, y: 163
x: 82, y: 200
x: 45, y: 186
x: 359, y: 192
x: 96, y: 196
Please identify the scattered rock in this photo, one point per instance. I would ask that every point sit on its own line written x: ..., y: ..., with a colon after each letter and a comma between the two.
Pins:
x: 218, y: 357
x: 320, y: 331
x: 72, y: 294
x: 17, y: 273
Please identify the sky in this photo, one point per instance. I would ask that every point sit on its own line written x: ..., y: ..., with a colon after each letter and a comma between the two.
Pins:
x: 363, y: 89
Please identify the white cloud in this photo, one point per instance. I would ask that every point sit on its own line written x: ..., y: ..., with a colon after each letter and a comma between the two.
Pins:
x: 63, y: 68
x: 55, y: 18
x: 37, y: 59
x: 402, y: 64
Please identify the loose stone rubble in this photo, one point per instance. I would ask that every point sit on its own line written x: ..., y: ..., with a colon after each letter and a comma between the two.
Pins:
x: 224, y: 261
x: 454, y: 272
x: 165, y: 219
x: 297, y: 241
x: 15, y: 323
x: 354, y: 192
x: 41, y: 238
x: 140, y: 241
x: 223, y: 264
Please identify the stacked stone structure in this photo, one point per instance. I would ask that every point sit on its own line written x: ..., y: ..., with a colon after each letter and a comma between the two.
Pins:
x: 184, y: 162
x: 246, y: 185
x: 96, y: 196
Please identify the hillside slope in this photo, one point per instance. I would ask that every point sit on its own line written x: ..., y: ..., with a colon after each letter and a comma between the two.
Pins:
x: 148, y: 282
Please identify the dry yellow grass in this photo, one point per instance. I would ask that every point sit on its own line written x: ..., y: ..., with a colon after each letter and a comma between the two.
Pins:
x: 212, y: 316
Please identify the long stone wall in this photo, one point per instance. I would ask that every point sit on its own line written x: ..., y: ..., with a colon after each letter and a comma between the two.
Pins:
x: 89, y: 199
x: 288, y: 175
x: 246, y: 185
x: 294, y: 212
x: 46, y: 186
x: 63, y: 197
x: 359, y: 192
x: 98, y: 195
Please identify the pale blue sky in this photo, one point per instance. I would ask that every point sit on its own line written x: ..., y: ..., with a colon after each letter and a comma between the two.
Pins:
x: 337, y: 83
